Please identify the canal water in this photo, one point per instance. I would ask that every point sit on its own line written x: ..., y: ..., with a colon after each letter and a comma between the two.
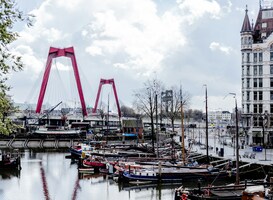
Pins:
x: 50, y: 175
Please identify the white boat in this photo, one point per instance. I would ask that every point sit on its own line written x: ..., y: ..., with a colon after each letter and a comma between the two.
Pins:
x: 88, y: 170
x: 56, y: 130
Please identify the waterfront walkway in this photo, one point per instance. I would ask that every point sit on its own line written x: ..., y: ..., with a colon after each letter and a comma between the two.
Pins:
x: 265, y: 157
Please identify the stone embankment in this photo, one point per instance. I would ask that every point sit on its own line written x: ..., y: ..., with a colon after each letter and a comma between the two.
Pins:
x: 38, y: 143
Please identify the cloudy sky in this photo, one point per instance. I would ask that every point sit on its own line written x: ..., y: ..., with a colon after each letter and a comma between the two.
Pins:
x: 187, y: 42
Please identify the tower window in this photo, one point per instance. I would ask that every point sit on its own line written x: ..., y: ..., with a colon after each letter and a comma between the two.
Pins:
x: 255, y: 109
x: 255, y: 82
x: 254, y: 57
x: 247, y: 108
x: 260, y: 108
x: 260, y: 57
x: 255, y: 70
x: 271, y: 69
x: 260, y: 82
x: 248, y: 83
x: 260, y: 95
x: 247, y: 96
x: 255, y: 96
x: 248, y: 70
x: 248, y: 57
x: 260, y: 70
x: 271, y: 56
x: 271, y: 95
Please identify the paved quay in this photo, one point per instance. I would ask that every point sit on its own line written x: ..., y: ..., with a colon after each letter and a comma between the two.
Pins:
x: 265, y: 157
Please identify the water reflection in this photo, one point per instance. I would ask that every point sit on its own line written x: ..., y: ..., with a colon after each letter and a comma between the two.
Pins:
x: 49, y: 175
x: 8, y: 174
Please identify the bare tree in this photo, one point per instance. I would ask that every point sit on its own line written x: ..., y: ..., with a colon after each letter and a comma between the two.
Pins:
x: 172, y: 106
x: 146, y: 101
x: 127, y: 111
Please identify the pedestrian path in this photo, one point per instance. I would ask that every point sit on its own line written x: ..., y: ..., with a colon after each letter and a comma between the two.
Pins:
x: 265, y: 157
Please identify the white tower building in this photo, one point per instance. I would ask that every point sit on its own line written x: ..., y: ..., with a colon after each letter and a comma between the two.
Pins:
x: 257, y: 76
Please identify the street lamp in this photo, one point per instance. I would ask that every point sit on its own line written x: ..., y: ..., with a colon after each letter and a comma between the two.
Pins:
x: 207, y: 132
x: 237, y: 140
x: 264, y: 117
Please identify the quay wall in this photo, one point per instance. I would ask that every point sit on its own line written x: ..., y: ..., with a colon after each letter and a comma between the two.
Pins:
x: 55, y: 143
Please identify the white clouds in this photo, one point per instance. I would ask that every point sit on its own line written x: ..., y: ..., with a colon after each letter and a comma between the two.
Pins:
x: 143, y: 36
x: 94, y: 50
x: 194, y: 10
x: 128, y: 39
x: 215, y: 46
x: 33, y: 65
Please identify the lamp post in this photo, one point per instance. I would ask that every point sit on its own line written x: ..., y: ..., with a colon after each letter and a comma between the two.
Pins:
x: 182, y: 128
x: 237, y: 140
x: 264, y: 123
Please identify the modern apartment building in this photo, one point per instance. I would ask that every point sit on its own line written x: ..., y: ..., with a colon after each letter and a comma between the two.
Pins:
x: 257, y: 76
x: 219, y: 116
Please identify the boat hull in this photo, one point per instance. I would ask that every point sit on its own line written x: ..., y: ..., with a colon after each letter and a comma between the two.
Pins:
x: 176, y: 177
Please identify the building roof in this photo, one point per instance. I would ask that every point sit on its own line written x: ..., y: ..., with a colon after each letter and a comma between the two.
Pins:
x: 264, y: 24
x: 246, y: 24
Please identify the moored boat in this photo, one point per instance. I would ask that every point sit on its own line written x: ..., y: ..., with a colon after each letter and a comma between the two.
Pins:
x: 170, y: 174
x: 245, y: 191
x: 7, y: 162
x: 88, y: 170
x: 80, y: 150
x: 92, y: 162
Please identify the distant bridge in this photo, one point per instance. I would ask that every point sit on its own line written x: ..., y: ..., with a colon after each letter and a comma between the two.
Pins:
x: 69, y: 52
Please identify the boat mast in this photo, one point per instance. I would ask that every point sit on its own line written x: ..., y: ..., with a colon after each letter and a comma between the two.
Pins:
x: 207, y: 132
x: 156, y: 126
x: 182, y: 128
x: 108, y: 115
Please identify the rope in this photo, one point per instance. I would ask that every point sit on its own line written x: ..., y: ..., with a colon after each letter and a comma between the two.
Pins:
x: 35, y: 89
x: 64, y: 92
x: 219, y: 174
x: 87, y: 87
x: 243, y: 172
x: 101, y: 96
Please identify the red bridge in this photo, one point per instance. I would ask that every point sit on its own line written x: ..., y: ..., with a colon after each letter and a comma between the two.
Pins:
x: 69, y: 52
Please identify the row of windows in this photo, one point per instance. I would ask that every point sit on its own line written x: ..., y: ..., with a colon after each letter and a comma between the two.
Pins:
x: 257, y: 57
x: 259, y: 121
x: 257, y: 95
x: 257, y: 108
x: 257, y: 70
x: 246, y: 40
x: 257, y: 82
